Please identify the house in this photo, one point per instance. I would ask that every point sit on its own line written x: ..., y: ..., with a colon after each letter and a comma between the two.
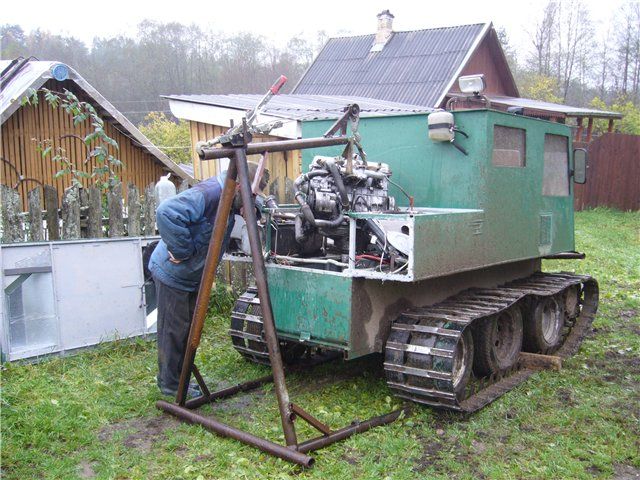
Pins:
x: 422, y: 67
x: 22, y: 165
x: 211, y: 115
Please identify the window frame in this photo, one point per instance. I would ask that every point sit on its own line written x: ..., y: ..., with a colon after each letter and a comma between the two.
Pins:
x: 568, y: 165
x: 523, y: 163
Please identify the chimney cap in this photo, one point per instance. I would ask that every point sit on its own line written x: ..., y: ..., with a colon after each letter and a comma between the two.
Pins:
x: 385, y: 13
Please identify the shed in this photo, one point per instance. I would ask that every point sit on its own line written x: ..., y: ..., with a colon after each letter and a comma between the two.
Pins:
x: 23, y: 126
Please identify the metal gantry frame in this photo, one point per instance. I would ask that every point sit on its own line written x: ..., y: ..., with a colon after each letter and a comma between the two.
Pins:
x: 236, y: 150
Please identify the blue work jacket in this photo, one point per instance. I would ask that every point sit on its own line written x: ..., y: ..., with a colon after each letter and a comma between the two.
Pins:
x: 185, y: 223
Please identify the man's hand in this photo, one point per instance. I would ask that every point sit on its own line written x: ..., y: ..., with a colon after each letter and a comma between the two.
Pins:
x: 173, y: 259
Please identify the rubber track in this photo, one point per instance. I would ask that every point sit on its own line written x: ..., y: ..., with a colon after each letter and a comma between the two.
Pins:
x: 248, y: 338
x: 246, y: 328
x: 422, y: 344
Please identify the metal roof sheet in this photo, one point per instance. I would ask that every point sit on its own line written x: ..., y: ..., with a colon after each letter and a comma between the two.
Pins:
x: 414, y: 67
x: 304, y: 107
x: 566, y: 110
x: 35, y: 73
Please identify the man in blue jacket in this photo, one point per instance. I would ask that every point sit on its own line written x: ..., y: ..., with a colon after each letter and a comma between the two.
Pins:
x: 185, y: 223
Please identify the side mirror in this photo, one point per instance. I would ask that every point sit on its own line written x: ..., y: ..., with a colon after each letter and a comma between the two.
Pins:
x: 580, y: 166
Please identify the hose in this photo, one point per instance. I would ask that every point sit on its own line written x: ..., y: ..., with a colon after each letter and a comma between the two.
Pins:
x: 305, y: 177
x: 298, y: 228
x: 335, y: 173
x: 305, y: 208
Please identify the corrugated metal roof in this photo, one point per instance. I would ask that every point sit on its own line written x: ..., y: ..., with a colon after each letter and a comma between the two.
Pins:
x: 35, y: 73
x: 414, y: 67
x: 304, y: 107
x: 566, y: 110
x: 13, y: 91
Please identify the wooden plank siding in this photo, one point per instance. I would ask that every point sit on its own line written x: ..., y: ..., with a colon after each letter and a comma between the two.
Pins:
x: 22, y: 130
x: 284, y: 167
x: 488, y: 61
x: 613, y: 178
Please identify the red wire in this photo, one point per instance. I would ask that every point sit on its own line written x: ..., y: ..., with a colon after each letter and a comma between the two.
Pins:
x: 370, y: 257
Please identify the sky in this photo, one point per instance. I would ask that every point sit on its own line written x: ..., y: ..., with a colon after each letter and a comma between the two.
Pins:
x: 280, y: 20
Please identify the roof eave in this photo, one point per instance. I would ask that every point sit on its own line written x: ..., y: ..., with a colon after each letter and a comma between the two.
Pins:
x: 463, y: 63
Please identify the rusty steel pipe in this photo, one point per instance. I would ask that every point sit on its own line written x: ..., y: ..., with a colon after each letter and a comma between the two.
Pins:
x: 260, y: 275
x: 280, y: 146
x: 208, y: 277
x: 228, y: 392
x: 225, y: 430
x: 358, y: 427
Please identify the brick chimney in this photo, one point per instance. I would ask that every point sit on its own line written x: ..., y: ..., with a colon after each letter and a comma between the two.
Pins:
x: 385, y: 30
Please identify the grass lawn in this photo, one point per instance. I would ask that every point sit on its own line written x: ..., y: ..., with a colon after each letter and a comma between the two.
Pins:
x: 93, y: 415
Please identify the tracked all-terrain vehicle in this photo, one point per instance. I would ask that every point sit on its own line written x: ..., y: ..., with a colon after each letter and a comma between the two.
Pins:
x: 429, y: 254
x: 425, y: 246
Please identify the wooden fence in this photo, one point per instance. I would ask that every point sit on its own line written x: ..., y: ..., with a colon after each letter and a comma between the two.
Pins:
x: 87, y: 213
x: 613, y: 178
x: 83, y: 213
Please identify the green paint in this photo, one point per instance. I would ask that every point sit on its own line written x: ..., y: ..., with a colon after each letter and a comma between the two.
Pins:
x: 312, y: 304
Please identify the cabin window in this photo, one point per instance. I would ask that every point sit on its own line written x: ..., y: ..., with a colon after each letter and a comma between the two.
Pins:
x: 508, y: 146
x: 556, y: 166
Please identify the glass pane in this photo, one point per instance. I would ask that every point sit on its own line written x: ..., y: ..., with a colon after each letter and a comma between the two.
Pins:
x: 508, y: 146
x: 31, y: 311
x: 556, y: 166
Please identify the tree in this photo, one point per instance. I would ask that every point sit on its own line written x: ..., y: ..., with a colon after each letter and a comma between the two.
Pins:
x: 630, y: 122
x: 172, y: 138
x: 542, y: 39
x: 541, y: 87
x: 509, y: 51
x: 12, y: 41
x: 562, y: 47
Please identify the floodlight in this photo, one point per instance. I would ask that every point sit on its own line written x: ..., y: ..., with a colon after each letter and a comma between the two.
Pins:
x: 472, y: 84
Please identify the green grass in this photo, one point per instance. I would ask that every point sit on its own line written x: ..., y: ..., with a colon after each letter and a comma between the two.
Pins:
x: 93, y: 415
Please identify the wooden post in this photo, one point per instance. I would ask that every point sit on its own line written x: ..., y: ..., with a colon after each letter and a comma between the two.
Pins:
x: 114, y: 201
x: 579, y: 131
x: 610, y: 128
x: 11, y: 208
x: 94, y: 214
x: 34, y: 199
x: 51, y: 205
x: 589, y: 129
x: 134, y: 208
x: 540, y: 362
x: 71, y: 214
x: 83, y: 196
x: 149, y: 211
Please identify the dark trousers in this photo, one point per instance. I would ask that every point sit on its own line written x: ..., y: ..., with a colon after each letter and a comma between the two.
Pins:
x: 175, y: 310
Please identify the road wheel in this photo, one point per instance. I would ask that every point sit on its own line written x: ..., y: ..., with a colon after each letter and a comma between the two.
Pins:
x: 543, y: 328
x: 572, y: 301
x: 462, y: 363
x: 498, y: 341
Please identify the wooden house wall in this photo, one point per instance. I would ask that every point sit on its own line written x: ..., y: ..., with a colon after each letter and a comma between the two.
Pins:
x: 32, y: 123
x: 283, y: 167
x: 488, y: 61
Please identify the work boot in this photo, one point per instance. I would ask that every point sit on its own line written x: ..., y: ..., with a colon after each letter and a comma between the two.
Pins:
x: 192, y: 392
